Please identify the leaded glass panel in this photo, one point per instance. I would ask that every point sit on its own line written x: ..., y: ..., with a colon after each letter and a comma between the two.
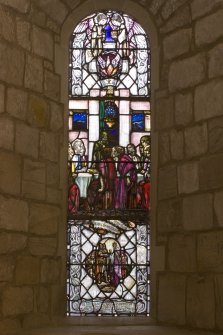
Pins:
x: 109, y: 167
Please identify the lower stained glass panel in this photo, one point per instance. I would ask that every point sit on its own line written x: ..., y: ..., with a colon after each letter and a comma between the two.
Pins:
x: 108, y: 267
x: 108, y: 211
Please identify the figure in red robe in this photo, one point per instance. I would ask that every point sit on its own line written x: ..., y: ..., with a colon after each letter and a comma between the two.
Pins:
x: 125, y: 177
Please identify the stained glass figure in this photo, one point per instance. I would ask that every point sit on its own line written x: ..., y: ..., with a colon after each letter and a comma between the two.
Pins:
x: 109, y: 167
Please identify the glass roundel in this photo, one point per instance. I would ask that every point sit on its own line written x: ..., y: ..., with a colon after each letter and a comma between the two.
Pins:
x: 109, y: 164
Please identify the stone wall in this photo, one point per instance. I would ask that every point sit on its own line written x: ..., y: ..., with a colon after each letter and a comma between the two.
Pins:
x: 189, y: 109
x: 31, y: 134
x: 188, y: 117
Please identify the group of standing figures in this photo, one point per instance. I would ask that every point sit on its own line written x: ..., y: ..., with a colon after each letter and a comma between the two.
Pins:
x: 120, y: 176
x: 108, y: 267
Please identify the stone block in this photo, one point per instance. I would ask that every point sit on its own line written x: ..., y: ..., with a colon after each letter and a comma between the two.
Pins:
x: 37, y: 16
x: 34, y: 171
x: 6, y: 269
x: 210, y: 172
x: 42, y: 246
x: 209, y: 29
x: 2, y: 98
x: 17, y: 301
x: 23, y: 33
x: 49, y: 146
x: 53, y: 26
x: 188, y: 178
x: 200, y: 302
x: 51, y: 85
x: 7, y: 27
x: 177, y: 144
x: 218, y: 208
x: 16, y: 103
x: 44, y: 219
x: 56, y: 10
x: 34, y: 73
x: 167, y: 182
x: 210, y: 251
x: 171, y: 298
x: 13, y: 214
x: 27, y: 270
x: 72, y: 4
x: 42, y: 43
x: 33, y: 190
x: 6, y: 133
x: 39, y: 114
x: 21, y: 6
x: 180, y: 18
x: 57, y: 294
x: 53, y: 195
x: 202, y: 7
x: 56, y: 119
x: 183, y: 109
x: 155, y: 6
x: 198, y: 212
x: 53, y: 174
x: 12, y: 242
x: 169, y: 216
x: 36, y: 320
x: 219, y: 300
x: 177, y: 43
x: 196, y: 140
x: 187, y: 72
x: 208, y: 100
x: 164, y: 112
x: 215, y: 66
x: 164, y: 147
x: 47, y: 64
x: 10, y: 326
x: 43, y: 299
x: 182, y: 253
x: 170, y: 7
x: 50, y: 270
x: 10, y: 173
x: 215, y: 132
x: 12, y: 62
x: 27, y: 140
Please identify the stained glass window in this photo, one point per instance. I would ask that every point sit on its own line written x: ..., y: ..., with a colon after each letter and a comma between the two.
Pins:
x: 109, y: 167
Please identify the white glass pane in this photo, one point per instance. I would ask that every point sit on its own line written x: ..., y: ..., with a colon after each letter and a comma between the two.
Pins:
x: 134, y: 90
x: 128, y: 82
x: 70, y: 123
x: 124, y: 130
x: 103, y: 93
x: 93, y: 107
x: 140, y: 105
x: 73, y: 135
x: 89, y: 82
x: 147, y: 123
x: 124, y: 107
x: 94, y: 93
x: 78, y: 104
x: 90, y: 152
x: 93, y: 127
x: 124, y: 93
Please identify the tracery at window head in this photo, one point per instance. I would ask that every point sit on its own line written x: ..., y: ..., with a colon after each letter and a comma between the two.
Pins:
x: 109, y: 167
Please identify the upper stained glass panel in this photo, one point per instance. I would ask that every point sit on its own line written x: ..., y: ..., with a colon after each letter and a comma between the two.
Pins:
x: 109, y: 50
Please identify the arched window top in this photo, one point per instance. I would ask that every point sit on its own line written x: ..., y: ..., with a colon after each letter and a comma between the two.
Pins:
x: 109, y: 50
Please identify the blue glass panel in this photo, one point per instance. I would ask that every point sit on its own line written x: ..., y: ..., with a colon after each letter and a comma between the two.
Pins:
x: 138, y: 122
x: 79, y: 120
